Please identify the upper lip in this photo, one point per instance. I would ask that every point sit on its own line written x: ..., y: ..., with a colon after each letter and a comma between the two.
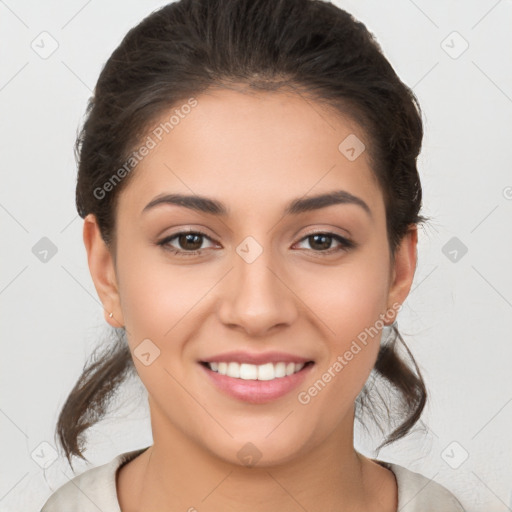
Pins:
x: 255, y: 358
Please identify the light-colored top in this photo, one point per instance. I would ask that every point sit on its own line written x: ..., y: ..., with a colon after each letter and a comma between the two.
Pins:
x: 95, y: 489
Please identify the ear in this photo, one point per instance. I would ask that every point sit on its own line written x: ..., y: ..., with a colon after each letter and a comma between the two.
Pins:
x: 101, y: 266
x: 402, y: 273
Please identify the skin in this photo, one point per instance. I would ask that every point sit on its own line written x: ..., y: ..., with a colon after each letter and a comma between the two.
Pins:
x: 255, y: 153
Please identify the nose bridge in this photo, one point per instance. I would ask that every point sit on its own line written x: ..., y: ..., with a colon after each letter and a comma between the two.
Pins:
x: 257, y: 299
x: 255, y: 266
x: 254, y: 253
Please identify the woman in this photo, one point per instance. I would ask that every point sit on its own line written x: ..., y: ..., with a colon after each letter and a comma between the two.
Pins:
x: 248, y: 183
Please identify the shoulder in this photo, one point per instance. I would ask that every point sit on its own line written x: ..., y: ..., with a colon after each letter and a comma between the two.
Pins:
x: 92, y: 490
x: 417, y: 493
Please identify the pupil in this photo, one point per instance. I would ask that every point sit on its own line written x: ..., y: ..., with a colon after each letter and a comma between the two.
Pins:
x: 325, y: 245
x: 188, y: 238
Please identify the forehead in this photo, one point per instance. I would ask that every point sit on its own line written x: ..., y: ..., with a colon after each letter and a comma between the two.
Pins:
x: 257, y: 148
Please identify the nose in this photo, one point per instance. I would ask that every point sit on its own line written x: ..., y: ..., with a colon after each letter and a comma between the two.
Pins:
x: 257, y: 295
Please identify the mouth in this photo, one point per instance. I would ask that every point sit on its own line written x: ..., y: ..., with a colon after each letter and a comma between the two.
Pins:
x: 264, y: 372
x: 256, y: 383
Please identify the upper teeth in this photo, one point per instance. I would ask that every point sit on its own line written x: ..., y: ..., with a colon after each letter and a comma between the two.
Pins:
x: 267, y: 371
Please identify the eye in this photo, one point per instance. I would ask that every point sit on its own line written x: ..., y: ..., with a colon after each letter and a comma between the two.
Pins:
x: 323, y: 241
x: 189, y: 243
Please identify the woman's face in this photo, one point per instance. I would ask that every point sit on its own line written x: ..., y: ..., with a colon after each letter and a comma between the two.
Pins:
x: 256, y: 282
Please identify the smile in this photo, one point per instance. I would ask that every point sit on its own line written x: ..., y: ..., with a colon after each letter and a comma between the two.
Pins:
x: 245, y: 371
x: 256, y: 383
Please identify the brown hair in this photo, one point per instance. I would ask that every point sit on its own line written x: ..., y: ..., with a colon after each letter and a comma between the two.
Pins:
x: 187, y: 46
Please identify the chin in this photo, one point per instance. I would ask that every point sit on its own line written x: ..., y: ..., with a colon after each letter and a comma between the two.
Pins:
x: 258, y: 452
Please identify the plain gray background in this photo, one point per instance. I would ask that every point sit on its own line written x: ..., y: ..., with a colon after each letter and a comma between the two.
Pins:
x: 457, y: 56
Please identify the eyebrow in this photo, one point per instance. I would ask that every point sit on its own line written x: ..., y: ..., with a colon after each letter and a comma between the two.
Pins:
x: 214, y: 207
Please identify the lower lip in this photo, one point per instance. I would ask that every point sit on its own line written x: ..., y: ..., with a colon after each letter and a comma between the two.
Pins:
x: 257, y: 391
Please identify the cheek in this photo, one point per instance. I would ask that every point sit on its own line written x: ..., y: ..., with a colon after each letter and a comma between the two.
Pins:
x: 156, y: 295
x: 159, y: 302
x: 347, y: 298
x: 352, y: 349
x: 349, y: 303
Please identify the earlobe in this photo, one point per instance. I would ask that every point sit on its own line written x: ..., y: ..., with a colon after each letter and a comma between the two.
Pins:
x: 102, y: 269
x: 404, y: 267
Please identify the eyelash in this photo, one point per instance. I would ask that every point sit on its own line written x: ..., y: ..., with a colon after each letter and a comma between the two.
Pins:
x: 345, y: 243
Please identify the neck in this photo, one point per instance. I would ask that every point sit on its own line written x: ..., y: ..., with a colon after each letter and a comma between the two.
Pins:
x: 177, y: 473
